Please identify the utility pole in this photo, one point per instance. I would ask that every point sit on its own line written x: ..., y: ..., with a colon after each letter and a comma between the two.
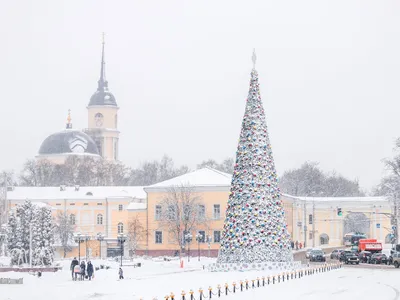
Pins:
x: 305, y: 223
x: 313, y: 224
x: 30, y: 245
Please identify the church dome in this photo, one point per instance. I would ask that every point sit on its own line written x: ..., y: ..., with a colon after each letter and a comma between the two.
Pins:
x: 102, y: 97
x: 68, y: 142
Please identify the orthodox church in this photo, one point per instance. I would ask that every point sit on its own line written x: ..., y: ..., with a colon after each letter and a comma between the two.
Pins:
x: 99, y: 140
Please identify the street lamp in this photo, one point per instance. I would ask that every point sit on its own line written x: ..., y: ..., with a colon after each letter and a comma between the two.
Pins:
x: 87, y: 238
x: 78, y: 239
x: 199, y: 238
x: 188, y: 239
x: 121, y: 241
x: 209, y: 245
x: 100, y: 238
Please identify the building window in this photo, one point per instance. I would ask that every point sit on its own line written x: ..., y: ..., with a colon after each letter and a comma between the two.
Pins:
x: 85, y: 203
x: 120, y: 228
x: 158, y: 212
x: 72, y: 204
x: 202, y: 235
x: 171, y: 212
x: 120, y: 207
x: 217, y: 236
x: 99, y: 219
x: 217, y: 211
x: 58, y: 204
x: 201, y: 211
x: 158, y: 237
x: 310, y: 219
x: 115, y: 148
x: 99, y: 203
x: 72, y: 219
x: 310, y: 235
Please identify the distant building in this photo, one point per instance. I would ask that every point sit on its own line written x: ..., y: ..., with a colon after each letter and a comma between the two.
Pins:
x: 100, y: 139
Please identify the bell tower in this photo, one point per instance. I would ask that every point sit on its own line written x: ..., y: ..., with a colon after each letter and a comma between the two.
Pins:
x: 103, y: 117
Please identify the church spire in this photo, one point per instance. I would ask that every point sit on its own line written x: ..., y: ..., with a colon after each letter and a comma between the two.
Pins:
x: 69, y: 124
x: 103, y: 84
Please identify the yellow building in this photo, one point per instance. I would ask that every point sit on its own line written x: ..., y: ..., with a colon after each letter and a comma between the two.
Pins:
x: 111, y: 211
x: 317, y: 220
x: 92, y: 211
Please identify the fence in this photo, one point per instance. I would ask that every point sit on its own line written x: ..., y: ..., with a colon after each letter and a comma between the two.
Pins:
x: 11, y: 281
x: 245, y: 285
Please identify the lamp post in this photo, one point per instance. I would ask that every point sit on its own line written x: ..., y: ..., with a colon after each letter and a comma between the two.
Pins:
x: 199, y: 238
x: 100, y: 238
x: 188, y: 239
x: 78, y: 239
x: 209, y: 245
x: 121, y: 241
x: 87, y: 238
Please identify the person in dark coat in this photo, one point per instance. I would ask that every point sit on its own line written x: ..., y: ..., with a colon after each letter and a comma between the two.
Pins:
x: 74, y: 263
x: 89, y: 270
x: 121, y: 273
x: 83, y: 270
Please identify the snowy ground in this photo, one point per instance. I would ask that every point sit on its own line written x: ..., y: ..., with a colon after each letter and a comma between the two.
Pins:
x: 158, y: 278
x: 345, y: 284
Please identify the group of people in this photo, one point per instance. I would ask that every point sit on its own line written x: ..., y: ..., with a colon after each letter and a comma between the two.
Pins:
x: 296, y: 245
x: 81, y: 271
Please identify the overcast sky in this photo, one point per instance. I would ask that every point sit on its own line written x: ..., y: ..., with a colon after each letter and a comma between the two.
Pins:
x: 329, y: 74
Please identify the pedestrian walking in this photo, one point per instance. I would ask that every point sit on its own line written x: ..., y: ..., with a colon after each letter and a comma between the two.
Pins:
x: 292, y: 245
x: 300, y: 245
x: 77, y: 271
x: 297, y: 245
x: 74, y: 263
x: 89, y: 270
x: 83, y: 270
x: 121, y: 273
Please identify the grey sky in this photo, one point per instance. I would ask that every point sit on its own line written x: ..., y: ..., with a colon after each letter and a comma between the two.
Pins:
x: 329, y: 74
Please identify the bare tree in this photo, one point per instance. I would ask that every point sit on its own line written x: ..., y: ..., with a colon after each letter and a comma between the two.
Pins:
x: 226, y: 166
x: 136, y: 233
x: 64, y: 231
x: 181, y: 212
x: 155, y: 171
x: 310, y: 179
x: 356, y: 222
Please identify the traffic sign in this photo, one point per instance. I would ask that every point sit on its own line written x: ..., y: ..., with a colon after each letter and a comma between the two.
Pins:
x: 394, y: 227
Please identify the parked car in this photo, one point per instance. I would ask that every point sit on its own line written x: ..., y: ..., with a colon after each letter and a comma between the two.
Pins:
x: 308, y: 253
x: 391, y: 256
x: 364, y: 256
x: 396, y: 259
x: 378, y: 258
x: 317, y: 255
x: 349, y: 257
x: 336, y: 253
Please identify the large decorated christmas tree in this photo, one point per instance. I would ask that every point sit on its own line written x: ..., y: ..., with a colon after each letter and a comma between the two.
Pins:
x: 255, y: 229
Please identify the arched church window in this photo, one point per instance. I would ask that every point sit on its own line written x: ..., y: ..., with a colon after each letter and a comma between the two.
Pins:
x: 99, y: 118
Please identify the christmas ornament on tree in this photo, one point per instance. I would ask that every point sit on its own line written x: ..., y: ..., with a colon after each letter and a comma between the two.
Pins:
x: 255, y: 229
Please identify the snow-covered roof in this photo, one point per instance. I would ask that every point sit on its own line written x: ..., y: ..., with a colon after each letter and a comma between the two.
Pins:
x: 83, y: 192
x: 205, y: 177
x: 136, y: 206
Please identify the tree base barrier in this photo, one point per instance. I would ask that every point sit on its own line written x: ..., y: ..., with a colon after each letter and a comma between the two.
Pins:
x: 255, y: 283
